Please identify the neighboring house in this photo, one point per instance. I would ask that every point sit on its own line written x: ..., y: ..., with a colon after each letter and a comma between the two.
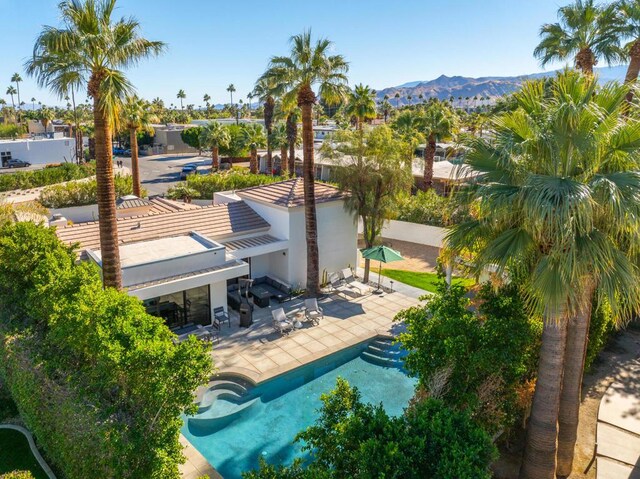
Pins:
x: 181, y: 262
x: 41, y: 151
x: 168, y: 139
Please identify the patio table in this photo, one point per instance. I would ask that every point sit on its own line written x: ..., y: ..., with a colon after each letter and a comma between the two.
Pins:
x: 260, y: 296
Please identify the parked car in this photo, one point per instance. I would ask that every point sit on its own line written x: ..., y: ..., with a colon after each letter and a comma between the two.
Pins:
x: 188, y: 170
x: 15, y: 163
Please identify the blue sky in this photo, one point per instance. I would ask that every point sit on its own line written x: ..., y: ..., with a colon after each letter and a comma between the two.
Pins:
x: 212, y: 43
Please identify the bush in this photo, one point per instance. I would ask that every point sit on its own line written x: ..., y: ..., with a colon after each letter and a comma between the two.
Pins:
x: 473, y: 361
x: 428, y: 208
x: 98, y: 381
x: 47, y: 176
x: 191, y: 137
x: 601, y: 329
x: 10, y: 131
x: 17, y: 475
x: 80, y: 193
x: 357, y: 440
x: 235, y: 179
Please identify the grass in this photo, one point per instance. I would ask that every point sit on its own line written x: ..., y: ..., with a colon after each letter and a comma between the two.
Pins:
x: 422, y: 280
x: 15, y: 454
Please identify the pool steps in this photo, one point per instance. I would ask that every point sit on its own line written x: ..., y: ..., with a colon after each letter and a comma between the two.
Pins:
x: 382, y: 352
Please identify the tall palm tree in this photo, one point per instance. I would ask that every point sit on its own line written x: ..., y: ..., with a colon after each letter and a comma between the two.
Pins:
x: 46, y: 115
x: 557, y: 198
x: 310, y: 64
x: 206, y: 98
x: 265, y: 91
x: 231, y: 88
x: 629, y: 11
x: 215, y: 135
x: 33, y: 103
x: 95, y: 47
x: 181, y: 96
x: 436, y: 123
x: 250, y: 98
x: 254, y: 137
x: 16, y: 78
x: 397, y: 97
x: 361, y: 104
x: 12, y: 91
x: 293, y: 115
x: 279, y: 139
x: 585, y: 31
x: 408, y: 127
x: 136, y: 116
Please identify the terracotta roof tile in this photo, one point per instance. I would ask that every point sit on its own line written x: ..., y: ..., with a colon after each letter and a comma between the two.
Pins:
x: 215, y: 222
x: 164, y: 205
x: 290, y: 193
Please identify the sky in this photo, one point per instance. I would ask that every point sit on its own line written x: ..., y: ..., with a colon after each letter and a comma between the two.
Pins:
x: 212, y: 43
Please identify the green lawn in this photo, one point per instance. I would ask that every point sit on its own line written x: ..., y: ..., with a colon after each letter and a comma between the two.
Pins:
x: 15, y: 454
x: 422, y: 280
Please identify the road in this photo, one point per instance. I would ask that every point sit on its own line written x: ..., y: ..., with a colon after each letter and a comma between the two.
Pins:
x: 158, y: 173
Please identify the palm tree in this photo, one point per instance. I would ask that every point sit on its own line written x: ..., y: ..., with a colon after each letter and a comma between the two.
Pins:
x: 250, y: 97
x: 46, y: 115
x: 33, y: 104
x: 253, y: 137
x: 136, y: 116
x: 585, y: 31
x: 12, y: 91
x: 206, y: 98
x: 292, y: 137
x: 215, y: 135
x: 629, y: 11
x: 397, y: 97
x: 307, y: 66
x: 231, y: 89
x: 361, y: 104
x: 385, y: 107
x: 181, y: 96
x: 564, y: 212
x: 408, y: 127
x: 279, y: 139
x: 265, y: 90
x: 16, y: 78
x: 437, y: 122
x: 91, y: 49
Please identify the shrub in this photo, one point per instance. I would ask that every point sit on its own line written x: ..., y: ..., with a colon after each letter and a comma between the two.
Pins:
x: 601, y: 328
x: 80, y: 193
x: 17, y: 475
x: 47, y: 176
x: 10, y: 131
x: 191, y: 137
x: 235, y: 179
x: 357, y: 440
x: 428, y: 208
x: 473, y: 361
x: 98, y: 381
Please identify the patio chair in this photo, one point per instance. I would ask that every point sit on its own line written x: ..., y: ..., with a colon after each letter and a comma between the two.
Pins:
x: 340, y: 287
x: 281, y: 323
x: 312, y: 311
x: 220, y: 316
x: 352, y: 282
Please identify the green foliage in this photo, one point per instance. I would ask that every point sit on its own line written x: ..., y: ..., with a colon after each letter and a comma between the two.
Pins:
x: 601, y: 328
x: 79, y: 193
x: 191, y: 136
x: 10, y: 130
x: 46, y: 176
x: 205, y: 185
x: 473, y: 361
x: 236, y: 146
x: 357, y: 440
x: 98, y: 381
x: 429, y: 208
x: 17, y: 475
x: 8, y: 408
x: 423, y: 280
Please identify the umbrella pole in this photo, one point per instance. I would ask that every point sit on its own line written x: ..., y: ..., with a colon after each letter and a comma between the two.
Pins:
x: 378, y: 291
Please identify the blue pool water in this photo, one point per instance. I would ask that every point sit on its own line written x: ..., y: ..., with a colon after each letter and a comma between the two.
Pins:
x: 238, y: 427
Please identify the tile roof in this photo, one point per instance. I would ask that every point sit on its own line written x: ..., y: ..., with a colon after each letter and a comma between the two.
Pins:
x: 235, y: 245
x: 164, y: 205
x: 290, y: 193
x: 215, y: 222
x: 131, y: 202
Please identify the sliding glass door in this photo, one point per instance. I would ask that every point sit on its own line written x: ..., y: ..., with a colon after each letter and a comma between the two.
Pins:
x: 192, y: 306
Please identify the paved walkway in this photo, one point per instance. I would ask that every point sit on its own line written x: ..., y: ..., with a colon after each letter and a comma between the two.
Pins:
x: 618, y: 434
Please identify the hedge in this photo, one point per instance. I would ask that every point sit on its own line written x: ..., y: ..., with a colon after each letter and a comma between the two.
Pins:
x: 80, y: 193
x: 428, y: 208
x: 235, y: 179
x: 22, y: 180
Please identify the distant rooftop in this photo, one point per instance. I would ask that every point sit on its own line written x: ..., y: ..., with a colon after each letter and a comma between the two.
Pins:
x: 290, y: 193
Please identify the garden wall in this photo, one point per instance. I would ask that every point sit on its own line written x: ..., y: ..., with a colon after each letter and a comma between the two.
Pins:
x: 412, y: 233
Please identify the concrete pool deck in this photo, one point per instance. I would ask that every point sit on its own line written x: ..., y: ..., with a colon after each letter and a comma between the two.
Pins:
x: 258, y: 353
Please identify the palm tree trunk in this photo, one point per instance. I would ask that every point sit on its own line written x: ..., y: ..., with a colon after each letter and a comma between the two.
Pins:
x: 306, y: 100
x: 570, y: 398
x: 253, y: 163
x: 292, y: 136
x: 111, y: 273
x: 215, y: 161
x: 634, y: 68
x: 539, y: 460
x: 135, y: 169
x: 284, y: 161
x: 429, y: 156
x: 585, y: 61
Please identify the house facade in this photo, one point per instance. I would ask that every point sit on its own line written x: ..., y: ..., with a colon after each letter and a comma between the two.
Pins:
x: 182, y: 260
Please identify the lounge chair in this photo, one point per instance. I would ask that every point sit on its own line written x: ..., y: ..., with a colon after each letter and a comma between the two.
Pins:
x: 312, y: 311
x: 220, y: 316
x: 340, y: 287
x: 281, y: 323
x: 352, y: 282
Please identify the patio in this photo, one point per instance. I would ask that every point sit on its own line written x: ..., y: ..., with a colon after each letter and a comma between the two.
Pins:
x: 259, y: 353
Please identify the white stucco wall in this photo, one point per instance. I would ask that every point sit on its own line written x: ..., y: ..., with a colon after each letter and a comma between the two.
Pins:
x: 218, y: 295
x: 40, y: 152
x: 412, y: 232
x: 279, y: 265
x: 276, y: 216
x: 260, y: 265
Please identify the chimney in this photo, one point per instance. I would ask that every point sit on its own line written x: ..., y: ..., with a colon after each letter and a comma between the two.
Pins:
x: 58, y: 220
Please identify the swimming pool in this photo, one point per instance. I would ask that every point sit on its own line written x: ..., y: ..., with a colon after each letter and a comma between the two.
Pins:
x: 236, y: 424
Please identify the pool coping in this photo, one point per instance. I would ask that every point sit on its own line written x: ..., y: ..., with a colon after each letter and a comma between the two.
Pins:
x: 34, y: 449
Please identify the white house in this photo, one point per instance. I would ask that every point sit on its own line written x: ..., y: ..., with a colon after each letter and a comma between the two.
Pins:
x: 40, y: 151
x: 182, y: 260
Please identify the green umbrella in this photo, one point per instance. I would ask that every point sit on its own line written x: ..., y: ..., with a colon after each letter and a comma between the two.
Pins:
x: 384, y: 254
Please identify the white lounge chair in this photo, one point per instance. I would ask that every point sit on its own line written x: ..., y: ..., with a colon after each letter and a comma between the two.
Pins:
x: 312, y: 311
x: 281, y: 323
x: 352, y: 282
